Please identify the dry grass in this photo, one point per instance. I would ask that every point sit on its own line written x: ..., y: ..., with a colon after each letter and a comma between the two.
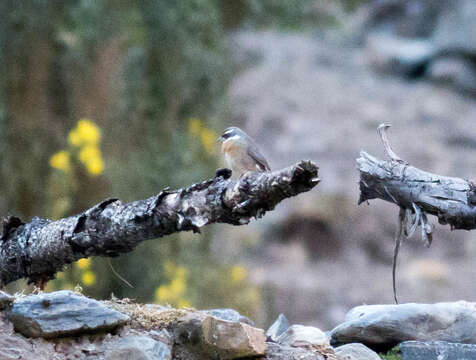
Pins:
x: 147, y: 316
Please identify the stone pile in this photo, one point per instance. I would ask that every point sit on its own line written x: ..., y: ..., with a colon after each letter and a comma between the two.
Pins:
x: 66, y: 325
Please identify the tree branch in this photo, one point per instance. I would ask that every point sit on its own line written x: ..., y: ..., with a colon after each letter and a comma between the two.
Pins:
x: 451, y: 199
x: 417, y: 193
x: 40, y: 248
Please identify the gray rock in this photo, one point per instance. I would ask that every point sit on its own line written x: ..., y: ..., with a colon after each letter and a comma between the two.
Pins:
x: 229, y: 315
x: 280, y: 325
x: 279, y: 352
x: 138, y: 348
x: 385, y: 326
x: 456, y: 28
x: 394, y: 55
x: 162, y: 336
x: 62, y: 313
x: 300, y: 335
x: 6, y: 300
x: 407, y: 18
x: 437, y: 350
x: 458, y: 72
x: 355, y: 351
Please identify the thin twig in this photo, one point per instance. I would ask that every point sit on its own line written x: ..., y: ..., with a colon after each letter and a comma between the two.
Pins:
x: 382, y: 131
x: 398, y: 240
x: 117, y: 274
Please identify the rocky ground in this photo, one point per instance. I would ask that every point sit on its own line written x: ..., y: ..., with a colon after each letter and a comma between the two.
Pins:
x: 305, y: 96
x: 67, y: 325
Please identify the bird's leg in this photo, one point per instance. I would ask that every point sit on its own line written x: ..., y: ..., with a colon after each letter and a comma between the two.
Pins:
x: 41, y: 284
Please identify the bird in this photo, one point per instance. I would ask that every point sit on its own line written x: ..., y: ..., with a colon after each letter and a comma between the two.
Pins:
x: 241, y: 152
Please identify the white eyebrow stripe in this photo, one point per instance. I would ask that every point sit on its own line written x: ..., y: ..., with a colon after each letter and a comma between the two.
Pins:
x: 235, y: 137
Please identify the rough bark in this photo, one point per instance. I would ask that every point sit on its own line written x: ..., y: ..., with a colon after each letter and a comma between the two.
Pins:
x: 41, y: 247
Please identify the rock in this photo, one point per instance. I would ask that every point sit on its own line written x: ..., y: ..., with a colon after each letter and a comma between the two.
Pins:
x: 458, y: 72
x: 394, y: 55
x: 407, y: 18
x: 437, y: 350
x: 62, y: 313
x: 384, y: 326
x: 138, y: 348
x: 229, y: 315
x: 231, y: 339
x: 303, y: 336
x: 6, y: 300
x: 280, y: 325
x: 198, y: 334
x: 162, y: 336
x: 456, y: 28
x: 355, y: 351
x: 278, y: 352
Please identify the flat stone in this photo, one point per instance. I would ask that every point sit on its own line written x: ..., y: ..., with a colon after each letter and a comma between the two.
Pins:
x: 62, y: 313
x: 437, y: 350
x: 279, y: 352
x: 229, y: 315
x: 303, y: 336
x: 384, y: 326
x: 6, y: 300
x: 136, y: 347
x: 198, y: 336
x: 280, y: 325
x: 355, y: 351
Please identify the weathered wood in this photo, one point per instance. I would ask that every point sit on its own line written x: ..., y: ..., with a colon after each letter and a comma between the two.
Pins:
x: 451, y: 199
x: 41, y: 247
x: 417, y: 193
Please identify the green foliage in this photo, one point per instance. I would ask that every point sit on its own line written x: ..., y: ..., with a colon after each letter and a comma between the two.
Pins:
x: 392, y: 354
x: 152, y: 76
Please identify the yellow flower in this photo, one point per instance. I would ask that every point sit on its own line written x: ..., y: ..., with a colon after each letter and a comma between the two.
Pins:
x: 90, y: 156
x: 208, y: 140
x: 194, y: 126
x: 88, y: 278
x: 83, y: 263
x: 88, y: 132
x: 95, y: 166
x: 237, y: 274
x: 74, y: 138
x: 61, y: 161
x: 183, y: 303
x: 177, y: 287
x: 88, y: 153
x: 163, y: 293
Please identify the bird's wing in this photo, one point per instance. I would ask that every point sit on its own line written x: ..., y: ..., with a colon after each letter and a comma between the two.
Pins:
x: 254, y: 152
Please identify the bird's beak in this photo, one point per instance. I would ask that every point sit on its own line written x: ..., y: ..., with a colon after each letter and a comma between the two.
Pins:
x: 220, y: 139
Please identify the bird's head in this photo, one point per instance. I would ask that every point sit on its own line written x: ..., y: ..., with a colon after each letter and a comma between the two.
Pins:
x: 233, y: 133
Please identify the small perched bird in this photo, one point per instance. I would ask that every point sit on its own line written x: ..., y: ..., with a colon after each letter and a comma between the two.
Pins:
x: 241, y: 152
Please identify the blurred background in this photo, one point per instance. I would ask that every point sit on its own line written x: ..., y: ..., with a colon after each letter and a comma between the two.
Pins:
x: 121, y: 99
